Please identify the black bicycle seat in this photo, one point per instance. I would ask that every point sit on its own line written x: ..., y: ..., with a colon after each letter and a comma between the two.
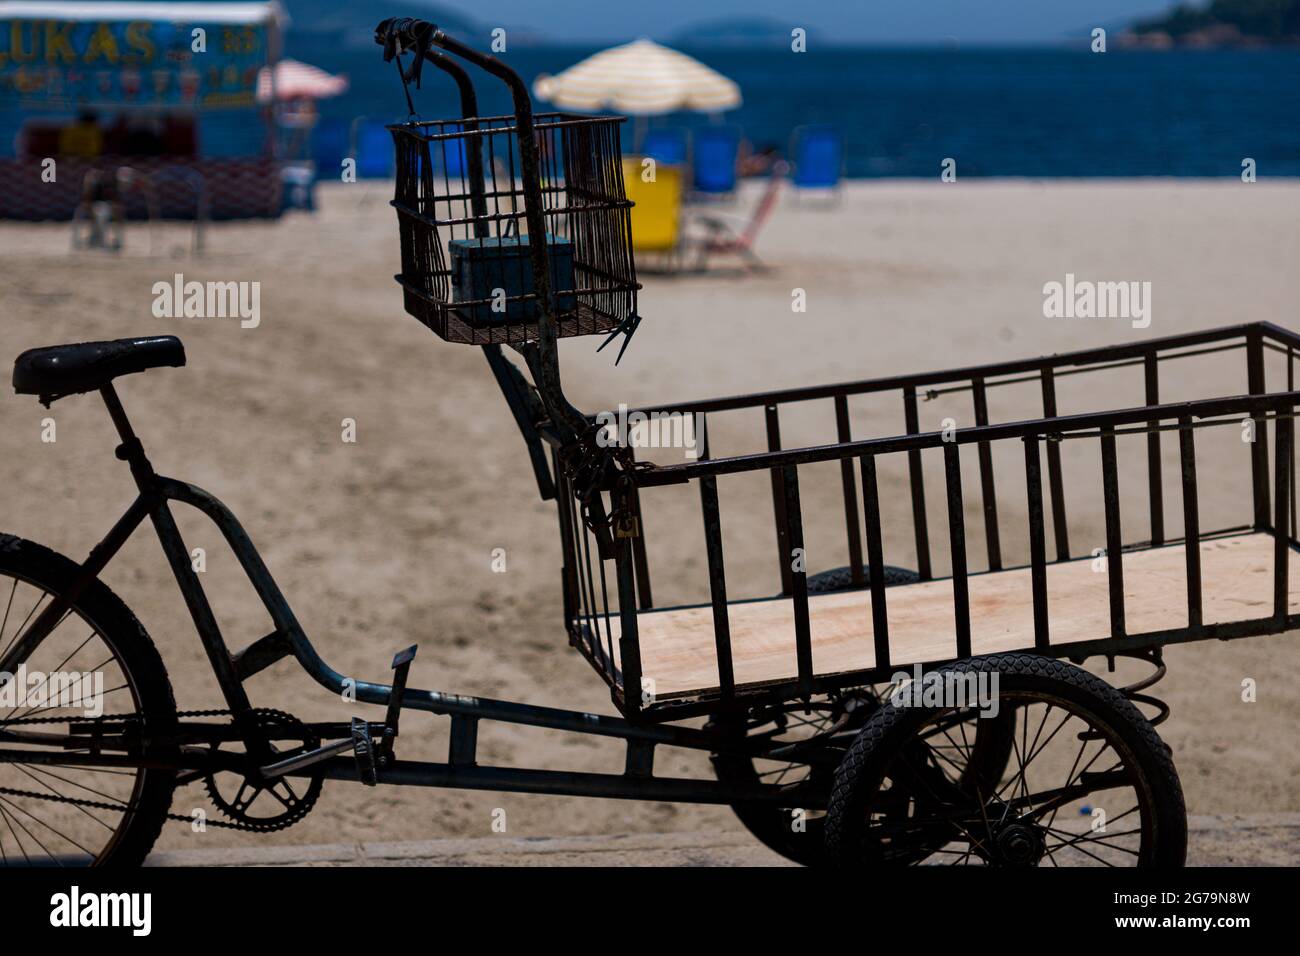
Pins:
x: 58, y: 370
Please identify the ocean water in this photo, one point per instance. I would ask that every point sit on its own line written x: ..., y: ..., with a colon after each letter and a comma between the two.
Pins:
x: 997, y: 112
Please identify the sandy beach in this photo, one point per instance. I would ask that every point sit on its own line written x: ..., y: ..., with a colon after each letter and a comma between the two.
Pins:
x: 389, y: 540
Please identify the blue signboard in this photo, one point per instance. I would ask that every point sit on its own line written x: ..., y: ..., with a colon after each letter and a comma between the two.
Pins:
x: 53, y: 64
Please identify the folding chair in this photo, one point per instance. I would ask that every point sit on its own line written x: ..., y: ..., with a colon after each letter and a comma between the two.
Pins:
x: 670, y: 146
x: 818, y: 156
x: 721, y: 237
x: 373, y: 150
x: 714, y: 152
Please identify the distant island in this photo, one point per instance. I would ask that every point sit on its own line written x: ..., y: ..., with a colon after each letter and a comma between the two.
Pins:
x: 1222, y: 23
x: 735, y: 32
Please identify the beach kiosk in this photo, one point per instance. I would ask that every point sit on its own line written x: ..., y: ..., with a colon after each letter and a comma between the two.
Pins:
x: 153, y: 103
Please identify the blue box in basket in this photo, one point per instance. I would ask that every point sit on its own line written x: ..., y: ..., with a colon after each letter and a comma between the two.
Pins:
x: 480, y: 267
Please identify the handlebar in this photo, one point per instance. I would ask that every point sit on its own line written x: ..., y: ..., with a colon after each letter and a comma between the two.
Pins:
x: 397, y: 35
x: 406, y: 31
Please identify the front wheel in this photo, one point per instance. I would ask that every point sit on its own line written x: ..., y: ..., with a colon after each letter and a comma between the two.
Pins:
x: 794, y: 829
x: 97, y: 662
x: 1088, y: 782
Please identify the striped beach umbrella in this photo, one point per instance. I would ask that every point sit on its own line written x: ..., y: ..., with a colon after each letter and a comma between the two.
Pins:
x: 640, y: 79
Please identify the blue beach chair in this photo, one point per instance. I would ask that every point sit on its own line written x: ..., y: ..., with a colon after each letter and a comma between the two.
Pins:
x: 817, y: 153
x: 329, y: 147
x: 667, y: 146
x: 374, y: 150
x: 713, y: 160
x: 449, y: 155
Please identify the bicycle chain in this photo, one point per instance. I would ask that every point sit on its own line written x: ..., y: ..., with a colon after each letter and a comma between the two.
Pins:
x: 120, y: 807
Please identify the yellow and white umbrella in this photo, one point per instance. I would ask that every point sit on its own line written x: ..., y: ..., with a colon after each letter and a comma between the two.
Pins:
x: 640, y: 79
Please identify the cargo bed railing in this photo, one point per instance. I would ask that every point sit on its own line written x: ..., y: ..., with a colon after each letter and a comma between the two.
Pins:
x: 784, y: 466
x: 1254, y: 339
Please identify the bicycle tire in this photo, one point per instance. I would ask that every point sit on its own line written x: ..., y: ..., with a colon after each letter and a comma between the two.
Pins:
x: 119, y: 628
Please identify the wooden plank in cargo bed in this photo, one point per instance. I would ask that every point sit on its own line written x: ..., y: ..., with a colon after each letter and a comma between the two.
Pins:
x: 678, y: 651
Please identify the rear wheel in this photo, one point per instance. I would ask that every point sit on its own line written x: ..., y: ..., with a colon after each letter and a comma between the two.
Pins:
x: 96, y: 662
x: 1089, y: 781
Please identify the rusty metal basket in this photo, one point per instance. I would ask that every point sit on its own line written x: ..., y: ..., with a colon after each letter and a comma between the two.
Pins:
x: 461, y: 199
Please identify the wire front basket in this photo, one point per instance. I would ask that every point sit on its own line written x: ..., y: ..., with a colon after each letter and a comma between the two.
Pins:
x: 460, y: 200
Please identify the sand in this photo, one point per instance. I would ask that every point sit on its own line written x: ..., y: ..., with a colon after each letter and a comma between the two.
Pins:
x: 389, y: 541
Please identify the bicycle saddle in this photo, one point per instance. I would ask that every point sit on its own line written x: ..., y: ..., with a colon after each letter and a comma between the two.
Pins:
x: 58, y: 370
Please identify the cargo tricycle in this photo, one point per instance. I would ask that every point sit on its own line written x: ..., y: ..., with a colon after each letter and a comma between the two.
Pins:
x: 997, y: 747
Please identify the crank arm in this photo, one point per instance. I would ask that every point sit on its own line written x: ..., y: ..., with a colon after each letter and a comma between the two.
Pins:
x: 300, y: 761
x: 304, y: 760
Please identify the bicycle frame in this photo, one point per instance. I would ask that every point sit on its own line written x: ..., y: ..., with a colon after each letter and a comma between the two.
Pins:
x: 156, y: 492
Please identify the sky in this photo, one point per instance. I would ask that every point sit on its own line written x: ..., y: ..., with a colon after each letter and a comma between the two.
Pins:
x: 849, y: 21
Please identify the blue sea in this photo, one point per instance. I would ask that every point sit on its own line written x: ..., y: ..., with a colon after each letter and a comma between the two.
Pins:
x: 997, y: 112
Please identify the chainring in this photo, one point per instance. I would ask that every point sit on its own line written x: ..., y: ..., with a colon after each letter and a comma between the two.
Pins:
x: 294, y: 805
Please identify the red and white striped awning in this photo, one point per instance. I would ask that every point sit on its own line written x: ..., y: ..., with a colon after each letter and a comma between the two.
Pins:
x: 113, y: 12
x: 295, y: 80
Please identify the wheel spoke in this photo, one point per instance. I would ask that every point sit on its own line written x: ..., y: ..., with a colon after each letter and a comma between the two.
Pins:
x: 23, y: 626
x: 74, y: 783
x: 8, y: 604
x: 74, y: 651
x: 44, y: 784
x: 1093, y: 855
x: 34, y: 817
x: 950, y: 795
x: 60, y: 813
x: 10, y: 825
x: 1091, y: 838
x: 46, y: 709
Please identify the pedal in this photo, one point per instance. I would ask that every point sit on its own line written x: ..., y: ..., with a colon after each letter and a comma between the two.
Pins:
x: 401, y: 667
x: 371, y: 755
x: 364, y: 751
